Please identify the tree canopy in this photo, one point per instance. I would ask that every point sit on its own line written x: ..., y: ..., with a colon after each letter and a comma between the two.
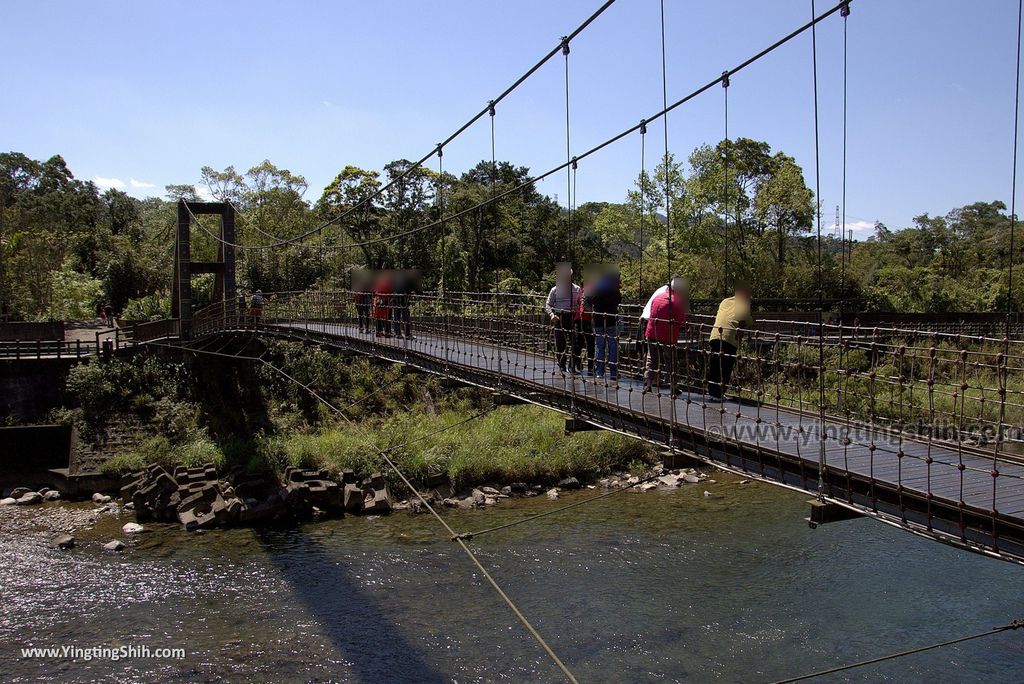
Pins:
x: 736, y: 210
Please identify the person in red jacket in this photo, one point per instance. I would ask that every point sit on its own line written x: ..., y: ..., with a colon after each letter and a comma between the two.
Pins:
x: 583, y: 319
x: 668, y: 314
x: 382, y: 305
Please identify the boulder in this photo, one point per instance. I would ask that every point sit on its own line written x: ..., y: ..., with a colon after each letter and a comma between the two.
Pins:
x: 19, y: 492
x: 270, y: 509
x: 379, y: 503
x: 552, y: 494
x: 64, y: 541
x: 669, y: 480
x: 115, y: 545
x: 132, y: 528
x: 506, y: 491
x: 490, y: 491
x: 518, y: 487
x: 648, y: 486
x: 352, y: 498
x: 569, y: 483
x: 8, y: 501
x: 51, y: 495
x: 132, y: 481
x: 30, y: 498
x: 690, y: 478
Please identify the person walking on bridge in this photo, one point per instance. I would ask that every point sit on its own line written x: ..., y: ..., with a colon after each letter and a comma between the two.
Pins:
x: 256, y: 306
x: 382, y: 305
x: 584, y: 319
x: 605, y: 300
x: 667, y: 316
x: 732, y: 318
x: 562, y: 303
x: 363, y: 295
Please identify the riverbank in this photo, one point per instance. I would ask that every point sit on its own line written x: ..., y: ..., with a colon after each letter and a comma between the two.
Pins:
x: 149, y: 409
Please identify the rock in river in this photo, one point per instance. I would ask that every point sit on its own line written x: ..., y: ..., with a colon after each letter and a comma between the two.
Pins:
x: 9, y: 501
x: 64, y: 541
x: 132, y: 528
x: 30, y: 498
x: 115, y: 545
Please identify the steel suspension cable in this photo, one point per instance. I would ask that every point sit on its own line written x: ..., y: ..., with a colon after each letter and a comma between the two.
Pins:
x: 496, y: 214
x: 845, y: 13
x: 643, y: 200
x: 596, y: 148
x: 1013, y: 182
x: 668, y: 237
x: 451, y: 532
x: 725, y: 187
x: 444, y: 239
x: 568, y: 162
x: 1002, y: 371
x: 821, y: 294
x: 459, y: 131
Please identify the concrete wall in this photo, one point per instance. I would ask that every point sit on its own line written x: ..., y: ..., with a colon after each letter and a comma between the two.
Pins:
x: 30, y: 389
x: 28, y: 448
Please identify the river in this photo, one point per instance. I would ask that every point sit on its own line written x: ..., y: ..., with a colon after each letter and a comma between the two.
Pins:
x: 661, y: 586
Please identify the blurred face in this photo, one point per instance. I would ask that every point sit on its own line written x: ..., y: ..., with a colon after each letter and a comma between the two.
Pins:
x: 679, y: 286
x: 743, y: 293
x: 564, y: 275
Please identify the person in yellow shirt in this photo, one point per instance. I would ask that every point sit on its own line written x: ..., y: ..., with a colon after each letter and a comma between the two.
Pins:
x: 732, y: 318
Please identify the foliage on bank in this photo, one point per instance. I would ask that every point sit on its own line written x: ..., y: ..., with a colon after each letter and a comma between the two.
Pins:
x: 239, y: 413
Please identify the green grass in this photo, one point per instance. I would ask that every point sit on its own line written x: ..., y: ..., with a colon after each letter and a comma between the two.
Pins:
x: 521, y: 443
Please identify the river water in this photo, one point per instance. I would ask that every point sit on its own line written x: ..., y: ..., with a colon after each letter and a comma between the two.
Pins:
x: 661, y: 586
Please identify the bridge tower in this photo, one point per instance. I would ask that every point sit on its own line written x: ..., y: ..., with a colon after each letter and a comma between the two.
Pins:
x: 223, y: 268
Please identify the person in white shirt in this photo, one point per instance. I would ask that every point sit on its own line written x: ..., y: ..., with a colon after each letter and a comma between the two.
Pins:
x: 562, y: 303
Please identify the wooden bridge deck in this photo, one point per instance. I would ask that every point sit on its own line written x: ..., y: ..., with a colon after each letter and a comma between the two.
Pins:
x: 935, y: 489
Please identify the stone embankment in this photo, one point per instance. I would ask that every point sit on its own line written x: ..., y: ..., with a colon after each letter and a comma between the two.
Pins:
x: 197, y: 498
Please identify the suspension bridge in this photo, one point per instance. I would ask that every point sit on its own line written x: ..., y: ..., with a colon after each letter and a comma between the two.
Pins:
x: 915, y: 425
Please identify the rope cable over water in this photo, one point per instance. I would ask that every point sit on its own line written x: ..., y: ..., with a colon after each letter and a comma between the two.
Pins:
x: 1016, y: 624
x: 426, y: 503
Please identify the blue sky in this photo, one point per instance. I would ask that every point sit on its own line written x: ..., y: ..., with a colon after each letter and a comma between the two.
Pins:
x: 140, y: 95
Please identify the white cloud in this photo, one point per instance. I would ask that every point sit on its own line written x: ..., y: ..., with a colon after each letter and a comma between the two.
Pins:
x: 204, y: 193
x: 107, y: 183
x: 140, y: 184
x: 861, y: 228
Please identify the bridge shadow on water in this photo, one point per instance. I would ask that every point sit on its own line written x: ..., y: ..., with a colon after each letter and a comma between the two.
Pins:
x: 356, y: 623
